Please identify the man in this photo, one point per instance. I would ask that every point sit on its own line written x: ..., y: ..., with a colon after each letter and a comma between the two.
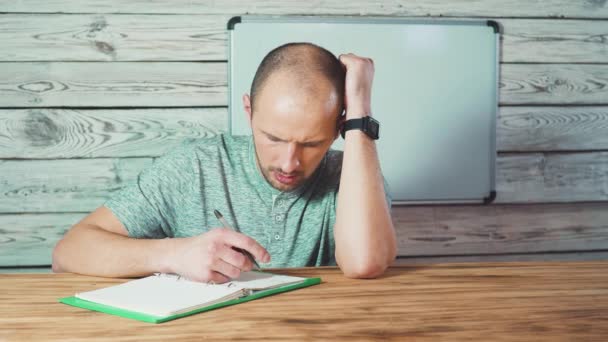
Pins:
x: 292, y: 201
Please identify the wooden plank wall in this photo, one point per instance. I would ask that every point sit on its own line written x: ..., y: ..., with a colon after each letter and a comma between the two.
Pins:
x: 92, y: 91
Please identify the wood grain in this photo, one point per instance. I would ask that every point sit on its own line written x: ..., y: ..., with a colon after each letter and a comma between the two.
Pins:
x: 522, y: 257
x: 113, y: 37
x: 555, y: 41
x: 113, y: 84
x: 455, y: 302
x: 63, y: 185
x: 177, y: 84
x: 554, y: 177
x: 427, y: 260
x: 55, y: 37
x: 12, y: 270
x: 172, y: 55
x: 28, y: 240
x: 424, y: 231
x: 445, y: 8
x: 41, y: 133
x: 553, y: 84
x: 554, y: 128
x: 500, y: 229
x: 77, y: 185
x: 88, y: 133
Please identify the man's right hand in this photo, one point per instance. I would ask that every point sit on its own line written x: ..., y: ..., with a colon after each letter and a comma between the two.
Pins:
x: 209, y: 257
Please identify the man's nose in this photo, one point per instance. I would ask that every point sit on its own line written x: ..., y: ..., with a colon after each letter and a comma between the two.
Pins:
x: 291, y: 160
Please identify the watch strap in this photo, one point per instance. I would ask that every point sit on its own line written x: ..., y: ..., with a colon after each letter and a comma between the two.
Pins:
x: 359, y: 123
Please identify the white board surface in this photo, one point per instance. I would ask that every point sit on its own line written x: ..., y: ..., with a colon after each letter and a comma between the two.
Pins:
x: 434, y: 94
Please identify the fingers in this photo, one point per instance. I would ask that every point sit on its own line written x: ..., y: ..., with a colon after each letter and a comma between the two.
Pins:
x: 207, y: 275
x: 236, y: 259
x: 350, y: 58
x: 216, y: 277
x: 232, y: 238
x: 226, y: 269
x: 216, y: 271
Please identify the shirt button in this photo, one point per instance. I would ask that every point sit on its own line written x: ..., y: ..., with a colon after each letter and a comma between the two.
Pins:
x: 277, y: 237
x: 278, y: 218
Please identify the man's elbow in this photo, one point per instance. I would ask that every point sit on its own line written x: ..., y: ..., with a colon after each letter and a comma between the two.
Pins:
x: 366, y: 268
x: 363, y: 272
x: 56, y: 265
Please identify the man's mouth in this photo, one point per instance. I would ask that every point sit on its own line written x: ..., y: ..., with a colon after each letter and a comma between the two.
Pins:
x: 286, y: 179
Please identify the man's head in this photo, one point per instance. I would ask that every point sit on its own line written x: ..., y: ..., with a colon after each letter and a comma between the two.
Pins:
x: 295, y: 109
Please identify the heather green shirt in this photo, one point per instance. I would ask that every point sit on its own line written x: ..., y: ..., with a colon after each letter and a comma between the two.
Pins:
x: 176, y: 196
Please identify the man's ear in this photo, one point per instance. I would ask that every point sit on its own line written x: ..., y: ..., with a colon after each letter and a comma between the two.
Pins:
x: 247, y: 107
x: 340, y: 123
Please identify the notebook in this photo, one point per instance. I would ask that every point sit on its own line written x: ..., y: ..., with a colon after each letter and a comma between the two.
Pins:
x: 164, y: 297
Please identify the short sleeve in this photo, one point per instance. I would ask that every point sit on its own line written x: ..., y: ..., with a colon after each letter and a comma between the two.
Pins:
x: 144, y: 205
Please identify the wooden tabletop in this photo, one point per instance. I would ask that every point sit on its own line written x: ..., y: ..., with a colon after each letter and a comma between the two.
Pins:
x: 565, y: 301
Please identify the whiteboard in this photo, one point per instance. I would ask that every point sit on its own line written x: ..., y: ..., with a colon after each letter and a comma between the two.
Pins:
x: 435, y: 94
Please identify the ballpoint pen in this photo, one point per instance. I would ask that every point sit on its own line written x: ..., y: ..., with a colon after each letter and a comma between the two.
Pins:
x: 222, y: 220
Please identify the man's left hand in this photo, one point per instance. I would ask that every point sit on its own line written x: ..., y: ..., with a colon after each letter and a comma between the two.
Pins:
x: 358, y: 87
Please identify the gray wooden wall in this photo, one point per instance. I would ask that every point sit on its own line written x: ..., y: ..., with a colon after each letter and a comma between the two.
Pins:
x: 92, y: 91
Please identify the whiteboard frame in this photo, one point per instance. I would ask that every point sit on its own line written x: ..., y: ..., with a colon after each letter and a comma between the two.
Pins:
x: 383, y: 20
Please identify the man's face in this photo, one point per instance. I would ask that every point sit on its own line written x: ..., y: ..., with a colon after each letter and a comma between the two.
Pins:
x: 292, y: 129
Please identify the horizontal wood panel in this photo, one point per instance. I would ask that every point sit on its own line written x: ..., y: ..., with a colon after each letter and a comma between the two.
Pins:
x: 182, y: 84
x: 556, y: 41
x: 553, y: 84
x: 113, y: 84
x: 63, y: 185
x: 66, y: 133
x: 553, y: 257
x: 13, y: 270
x: 528, y: 178
x: 72, y: 185
x: 551, y: 128
x: 404, y: 261
x: 113, y: 37
x: 500, y: 229
x: 99, y: 37
x: 27, y: 240
x: 460, y: 8
x: 422, y: 232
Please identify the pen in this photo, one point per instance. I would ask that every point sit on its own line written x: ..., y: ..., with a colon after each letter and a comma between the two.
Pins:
x: 222, y: 220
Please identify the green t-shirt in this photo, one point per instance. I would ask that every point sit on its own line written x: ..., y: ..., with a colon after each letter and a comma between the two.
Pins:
x: 176, y: 196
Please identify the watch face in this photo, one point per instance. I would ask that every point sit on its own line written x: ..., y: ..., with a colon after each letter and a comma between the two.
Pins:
x: 374, y: 127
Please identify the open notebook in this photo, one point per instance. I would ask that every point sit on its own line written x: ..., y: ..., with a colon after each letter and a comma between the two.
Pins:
x: 163, y: 297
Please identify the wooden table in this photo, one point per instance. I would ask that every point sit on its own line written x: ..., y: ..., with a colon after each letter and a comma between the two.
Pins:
x: 481, y: 301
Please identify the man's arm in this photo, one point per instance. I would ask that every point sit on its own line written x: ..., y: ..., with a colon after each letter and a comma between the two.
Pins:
x: 99, y: 245
x: 364, y: 232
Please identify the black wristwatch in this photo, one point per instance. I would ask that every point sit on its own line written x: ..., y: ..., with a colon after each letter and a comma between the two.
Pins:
x: 367, y: 124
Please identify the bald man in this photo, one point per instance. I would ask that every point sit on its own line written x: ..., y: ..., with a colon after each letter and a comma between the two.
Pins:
x: 292, y: 200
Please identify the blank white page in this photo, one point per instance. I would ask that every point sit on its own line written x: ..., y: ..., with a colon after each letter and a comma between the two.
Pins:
x: 159, y: 295
x: 165, y: 295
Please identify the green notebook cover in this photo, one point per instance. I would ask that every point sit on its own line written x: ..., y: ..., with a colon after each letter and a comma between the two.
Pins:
x: 85, y: 304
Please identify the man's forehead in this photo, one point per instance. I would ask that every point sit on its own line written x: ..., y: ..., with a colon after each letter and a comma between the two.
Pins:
x: 286, y: 94
x: 294, y: 120
x: 303, y: 137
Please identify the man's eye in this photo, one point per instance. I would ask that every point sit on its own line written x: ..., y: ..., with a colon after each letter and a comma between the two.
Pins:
x: 312, y: 145
x: 275, y: 139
